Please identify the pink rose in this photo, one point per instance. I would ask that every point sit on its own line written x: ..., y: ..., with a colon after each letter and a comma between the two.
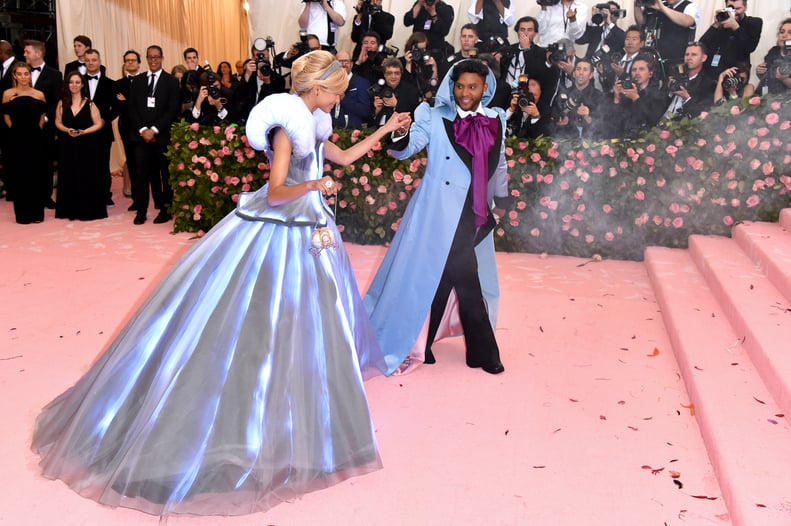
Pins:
x: 535, y: 157
x: 607, y: 209
x: 382, y: 189
x: 588, y: 238
x: 664, y: 134
x: 564, y: 185
x: 548, y: 178
x: 735, y: 110
x: 190, y: 182
x: 193, y: 145
x: 609, y: 236
x: 650, y: 148
x: 671, y: 150
x: 728, y: 220
x: 755, y: 101
x: 194, y: 126
x: 768, y: 167
x: 772, y: 119
x: 639, y: 195
x: 535, y: 232
x: 678, y: 222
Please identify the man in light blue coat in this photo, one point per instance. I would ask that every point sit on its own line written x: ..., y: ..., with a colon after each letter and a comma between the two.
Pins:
x: 439, y: 276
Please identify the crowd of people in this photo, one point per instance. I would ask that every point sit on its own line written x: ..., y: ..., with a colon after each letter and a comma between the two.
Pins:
x: 649, y: 73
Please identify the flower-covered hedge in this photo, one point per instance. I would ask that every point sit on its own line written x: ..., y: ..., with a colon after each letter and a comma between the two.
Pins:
x: 575, y: 198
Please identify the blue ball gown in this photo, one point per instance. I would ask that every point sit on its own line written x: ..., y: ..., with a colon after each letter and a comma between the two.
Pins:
x: 239, y: 383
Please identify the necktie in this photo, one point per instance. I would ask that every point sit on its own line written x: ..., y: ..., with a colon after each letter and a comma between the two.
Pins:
x: 2, y: 70
x: 93, y: 77
x: 477, y: 134
x: 130, y: 77
x: 36, y: 68
x: 151, y: 78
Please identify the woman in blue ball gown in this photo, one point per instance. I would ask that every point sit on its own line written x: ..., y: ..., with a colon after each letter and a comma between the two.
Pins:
x: 239, y: 382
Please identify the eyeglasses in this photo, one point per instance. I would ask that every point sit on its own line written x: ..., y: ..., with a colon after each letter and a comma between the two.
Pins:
x: 344, y: 60
x: 154, y: 57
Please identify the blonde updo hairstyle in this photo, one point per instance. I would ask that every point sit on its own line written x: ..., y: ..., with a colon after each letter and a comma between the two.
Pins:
x: 307, y: 70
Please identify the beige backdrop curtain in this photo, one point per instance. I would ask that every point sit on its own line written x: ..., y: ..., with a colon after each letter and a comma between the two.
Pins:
x: 218, y: 29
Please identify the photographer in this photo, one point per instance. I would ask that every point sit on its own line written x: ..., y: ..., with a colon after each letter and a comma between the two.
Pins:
x: 260, y: 80
x: 434, y: 18
x: 491, y: 18
x: 420, y: 68
x: 353, y: 109
x: 640, y: 103
x: 561, y: 19
x: 668, y: 26
x: 391, y: 94
x: 371, y: 17
x: 619, y: 61
x: 307, y: 42
x: 579, y: 112
x: 562, y: 57
x: 368, y: 63
x: 602, y: 30
x: 733, y: 83
x: 528, y: 116
x: 692, y: 86
x: 732, y: 37
x: 323, y: 18
x: 211, y: 103
x: 775, y: 70
x: 525, y: 57
x: 468, y: 47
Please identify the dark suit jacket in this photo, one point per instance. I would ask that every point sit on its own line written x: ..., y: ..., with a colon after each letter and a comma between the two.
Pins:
x: 50, y: 83
x: 355, y: 105
x: 123, y: 86
x: 164, y: 112
x: 408, y: 99
x: 106, y: 102
x: 592, y: 37
x: 5, y: 83
x: 732, y: 46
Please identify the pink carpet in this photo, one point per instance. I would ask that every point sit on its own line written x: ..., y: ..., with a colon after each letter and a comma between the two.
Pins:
x: 591, y: 424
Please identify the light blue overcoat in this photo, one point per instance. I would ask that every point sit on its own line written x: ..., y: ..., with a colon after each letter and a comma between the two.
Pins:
x: 399, y: 299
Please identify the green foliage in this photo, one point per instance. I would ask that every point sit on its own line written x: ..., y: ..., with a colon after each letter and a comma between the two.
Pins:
x: 579, y: 198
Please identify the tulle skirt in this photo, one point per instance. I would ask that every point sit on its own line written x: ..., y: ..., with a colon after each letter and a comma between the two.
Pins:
x: 236, y: 386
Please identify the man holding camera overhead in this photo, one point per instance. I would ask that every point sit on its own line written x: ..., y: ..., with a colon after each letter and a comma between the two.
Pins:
x: 323, y: 18
x: 371, y: 17
x: 732, y: 37
x: 434, y: 18
x: 668, y: 25
x: 260, y: 79
x: 561, y: 19
x: 602, y: 30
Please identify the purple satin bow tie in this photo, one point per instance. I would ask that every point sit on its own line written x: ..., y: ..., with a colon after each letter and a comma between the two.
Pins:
x: 477, y: 134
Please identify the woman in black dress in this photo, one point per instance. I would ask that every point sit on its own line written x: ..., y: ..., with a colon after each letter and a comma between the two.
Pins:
x: 24, y: 108
x: 82, y: 189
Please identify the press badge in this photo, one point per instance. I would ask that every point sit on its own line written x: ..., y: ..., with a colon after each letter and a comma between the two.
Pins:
x: 151, y: 102
x: 427, y: 25
x: 715, y: 62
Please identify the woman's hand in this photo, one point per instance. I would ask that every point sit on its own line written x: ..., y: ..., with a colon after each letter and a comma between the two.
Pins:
x: 326, y: 185
x: 398, y: 121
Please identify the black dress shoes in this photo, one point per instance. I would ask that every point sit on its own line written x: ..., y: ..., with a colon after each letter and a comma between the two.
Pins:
x: 132, y: 207
x: 139, y: 218
x: 495, y: 367
x: 162, y: 217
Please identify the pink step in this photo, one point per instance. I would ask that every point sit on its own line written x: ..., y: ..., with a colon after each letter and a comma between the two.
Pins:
x: 746, y: 437
x: 757, y: 311
x: 785, y: 218
x: 769, y: 246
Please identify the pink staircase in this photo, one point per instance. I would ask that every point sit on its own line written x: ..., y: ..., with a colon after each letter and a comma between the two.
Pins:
x: 726, y: 304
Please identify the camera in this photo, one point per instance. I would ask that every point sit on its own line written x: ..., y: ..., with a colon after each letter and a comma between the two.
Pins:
x: 724, y: 15
x: 302, y: 46
x: 419, y: 55
x: 733, y: 83
x: 678, y: 81
x: 380, y: 89
x: 548, y: 2
x: 525, y: 97
x: 600, y: 17
x: 432, y: 2
x: 369, y: 9
x: 601, y: 56
x: 626, y: 82
x: 783, y: 64
x: 214, y: 91
x: 261, y: 63
x: 564, y: 105
x: 558, y: 53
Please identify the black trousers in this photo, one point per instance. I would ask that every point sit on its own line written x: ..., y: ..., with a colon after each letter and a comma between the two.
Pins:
x: 461, y: 274
x: 151, y: 170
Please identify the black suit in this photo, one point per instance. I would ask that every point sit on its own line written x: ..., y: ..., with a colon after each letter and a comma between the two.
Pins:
x: 75, y: 65
x: 151, y: 163
x: 123, y: 87
x: 5, y: 83
x: 106, y: 102
x: 732, y: 47
x: 50, y: 83
x: 592, y: 36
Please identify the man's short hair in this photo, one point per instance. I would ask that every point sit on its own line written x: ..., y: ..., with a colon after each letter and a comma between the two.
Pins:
x: 131, y: 52
x: 472, y: 65
x: 188, y: 51
x: 523, y: 20
x: 699, y: 45
x: 82, y: 39
x: 92, y: 51
x: 36, y: 44
x: 471, y: 27
x: 637, y: 28
x: 392, y: 62
x: 371, y: 34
